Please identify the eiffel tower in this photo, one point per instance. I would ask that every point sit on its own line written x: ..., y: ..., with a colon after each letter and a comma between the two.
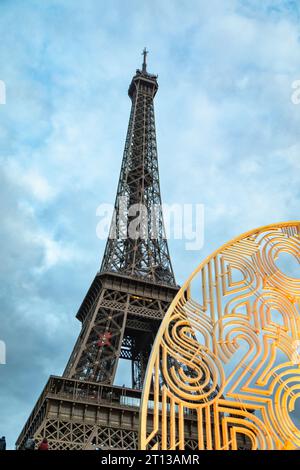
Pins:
x: 123, y: 308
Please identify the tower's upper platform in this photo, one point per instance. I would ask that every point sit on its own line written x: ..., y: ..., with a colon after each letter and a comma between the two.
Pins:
x: 143, y: 81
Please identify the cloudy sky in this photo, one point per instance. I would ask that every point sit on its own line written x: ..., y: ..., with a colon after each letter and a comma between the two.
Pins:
x: 228, y: 138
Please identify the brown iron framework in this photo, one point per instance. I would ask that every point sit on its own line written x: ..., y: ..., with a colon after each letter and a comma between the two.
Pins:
x: 147, y: 256
x: 125, y: 312
x: 76, y: 415
x: 123, y: 308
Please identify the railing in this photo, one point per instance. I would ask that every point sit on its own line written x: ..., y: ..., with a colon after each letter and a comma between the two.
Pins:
x: 87, y: 392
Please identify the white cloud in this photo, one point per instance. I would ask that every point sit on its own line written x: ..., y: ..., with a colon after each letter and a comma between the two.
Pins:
x: 55, y: 252
x: 32, y: 181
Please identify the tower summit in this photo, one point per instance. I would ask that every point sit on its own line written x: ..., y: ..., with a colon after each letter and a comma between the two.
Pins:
x: 123, y: 308
x: 144, y: 53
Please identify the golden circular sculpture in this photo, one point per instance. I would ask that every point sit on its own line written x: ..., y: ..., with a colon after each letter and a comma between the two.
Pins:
x: 224, y: 371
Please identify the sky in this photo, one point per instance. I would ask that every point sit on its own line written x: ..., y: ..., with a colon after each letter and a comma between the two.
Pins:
x: 227, y: 131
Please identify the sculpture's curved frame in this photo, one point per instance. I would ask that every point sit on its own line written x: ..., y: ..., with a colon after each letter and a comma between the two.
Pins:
x: 261, y: 413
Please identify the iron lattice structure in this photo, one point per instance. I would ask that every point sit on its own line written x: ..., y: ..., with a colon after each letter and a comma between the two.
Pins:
x: 146, y: 256
x: 227, y: 352
x: 123, y: 308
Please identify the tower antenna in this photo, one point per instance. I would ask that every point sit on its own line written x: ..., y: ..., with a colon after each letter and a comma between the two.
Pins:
x: 144, y: 54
